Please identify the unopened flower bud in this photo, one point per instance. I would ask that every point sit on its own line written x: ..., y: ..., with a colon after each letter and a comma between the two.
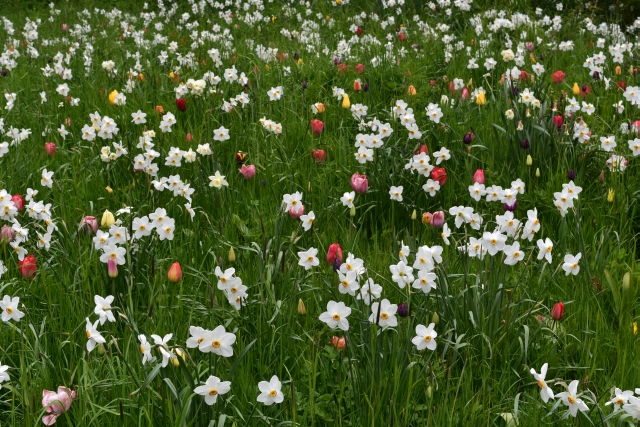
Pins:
x: 529, y: 160
x: 338, y: 342
x: 435, y: 318
x: 112, y: 268
x: 175, y: 273
x: 107, y: 219
x: 403, y: 310
x: 537, y: 172
x: 414, y: 215
x: 232, y: 255
x: 352, y: 211
x: 302, y: 310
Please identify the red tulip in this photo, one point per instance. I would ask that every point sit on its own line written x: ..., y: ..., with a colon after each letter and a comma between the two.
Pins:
x: 28, y: 266
x: 557, y: 121
x: 585, y: 93
x: 248, y: 171
x: 357, y: 86
x: 524, y: 76
x: 478, y: 177
x: 334, y: 252
x: 401, y: 37
x: 423, y: 149
x: 175, y: 273
x: 558, y: 77
x: 319, y: 155
x: 440, y: 175
x: 316, y: 126
x: 18, y: 201
x: 432, y: 83
x: 50, y: 148
x: 359, y: 68
x: 452, y: 87
x: 240, y: 157
x: 181, y: 104
x: 189, y: 137
x: 622, y: 85
x: 557, y: 311
x: 359, y: 183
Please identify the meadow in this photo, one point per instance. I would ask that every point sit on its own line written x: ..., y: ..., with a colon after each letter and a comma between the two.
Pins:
x: 319, y: 213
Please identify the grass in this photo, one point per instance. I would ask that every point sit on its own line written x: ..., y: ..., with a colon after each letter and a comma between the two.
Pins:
x: 493, y: 320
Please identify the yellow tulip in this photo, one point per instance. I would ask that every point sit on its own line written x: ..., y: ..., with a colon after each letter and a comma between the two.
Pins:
x: 610, y: 195
x: 112, y: 97
x: 345, y: 101
x: 576, y: 89
x: 529, y: 160
x: 302, y: 310
x: 481, y: 99
x: 107, y: 219
x: 232, y: 255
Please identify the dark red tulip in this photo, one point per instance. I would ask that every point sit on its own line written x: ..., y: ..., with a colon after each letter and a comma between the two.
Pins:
x: 28, y: 266
x: 181, y: 104
x: 557, y: 121
x: 319, y: 156
x: 557, y: 311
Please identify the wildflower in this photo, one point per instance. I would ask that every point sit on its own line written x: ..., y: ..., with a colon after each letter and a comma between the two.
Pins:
x: 308, y: 258
x: 219, y: 342
x: 545, y: 246
x: 10, y: 311
x: 46, y: 178
x: 396, y: 193
x: 103, y: 308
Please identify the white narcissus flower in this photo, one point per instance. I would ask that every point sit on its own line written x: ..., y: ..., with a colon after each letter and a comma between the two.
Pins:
x: 545, y: 391
x: 401, y: 274
x: 336, y: 315
x: 369, y: 291
x: 219, y: 342
x: 270, y: 391
x: 426, y: 281
x: 212, y: 388
x: 103, y: 308
x: 425, y: 337
x: 308, y: 258
x: 9, y: 307
x: 348, y: 283
x: 571, y: 264
x: 93, y: 336
x: 396, y: 193
x: 3, y: 374
x: 513, y: 253
x: 620, y: 398
x: 608, y: 142
x: 633, y: 407
x: 221, y: 134
x: 545, y: 246
x: 384, y: 314
x: 494, y: 242
x: 307, y: 220
x: 145, y: 349
x: 347, y: 199
x: 47, y: 178
x: 218, y: 181
x: 570, y: 399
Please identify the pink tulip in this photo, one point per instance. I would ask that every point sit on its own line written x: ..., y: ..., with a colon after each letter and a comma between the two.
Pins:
x: 7, y: 234
x: 248, y: 171
x: 465, y: 94
x: 89, y: 225
x: 56, y: 404
x: 334, y: 252
x: 50, y: 148
x: 112, y: 268
x: 635, y: 127
x: 478, y: 177
x: 359, y: 183
x: 65, y: 27
x: 189, y: 137
x: 296, y: 212
x: 437, y: 220
x: 68, y: 121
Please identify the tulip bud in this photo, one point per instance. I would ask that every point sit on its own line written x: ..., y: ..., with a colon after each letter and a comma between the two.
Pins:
x: 414, y: 215
x: 339, y: 343
x: 365, y: 87
x: 478, y: 177
x: 557, y: 311
x: 627, y: 281
x: 107, y: 219
x: 302, y: 310
x: 411, y: 91
x: 334, y: 252
x: 28, y: 266
x: 403, y: 310
x: 175, y: 273
x: 610, y: 195
x: 524, y: 144
x: 481, y: 98
x: 557, y: 121
x: 618, y: 70
x: 429, y: 393
x: 50, y: 148
x: 437, y: 220
x: 360, y: 183
x: 529, y: 160
x: 345, y: 101
x: 159, y: 109
x: 248, y: 171
x: 357, y: 86
x: 181, y: 104
x: 465, y: 94
x: 537, y: 172
x: 109, y: 190
x: 352, y: 211
x: 601, y: 177
x: 510, y: 206
x: 571, y: 175
x: 89, y: 224
x: 519, y: 127
x: 467, y: 138
x: 304, y: 84
x: 232, y: 255
x: 112, y: 268
x: 426, y: 218
x: 112, y: 97
x: 440, y: 175
x: 18, y: 201
x: 435, y: 318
